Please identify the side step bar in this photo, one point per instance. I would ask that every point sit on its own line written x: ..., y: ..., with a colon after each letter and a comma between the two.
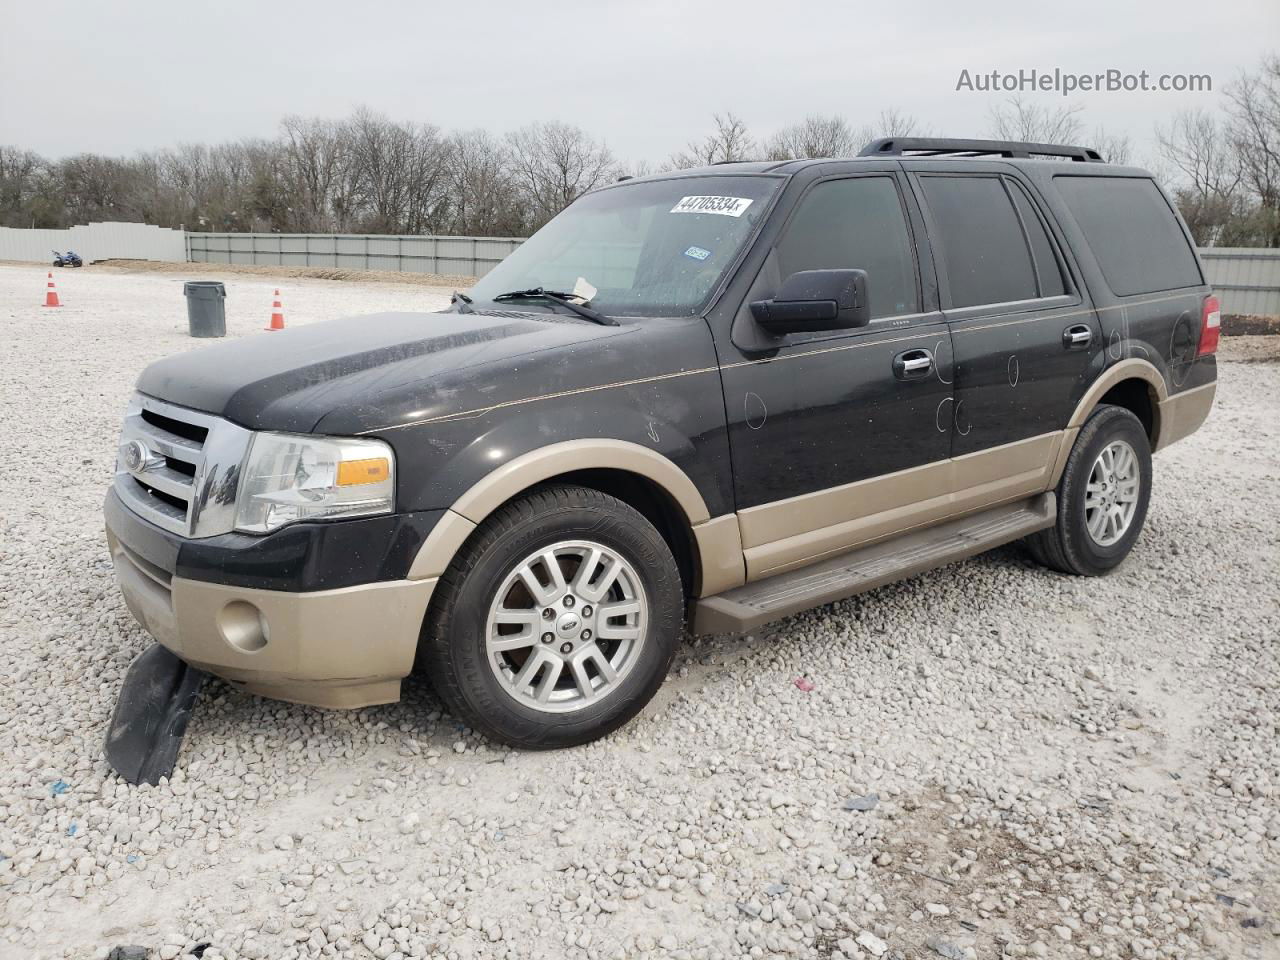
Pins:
x: 747, y: 607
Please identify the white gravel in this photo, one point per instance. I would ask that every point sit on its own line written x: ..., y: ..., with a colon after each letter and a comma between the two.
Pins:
x: 993, y: 760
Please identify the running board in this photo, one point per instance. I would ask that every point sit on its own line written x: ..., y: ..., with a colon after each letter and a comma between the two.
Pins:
x: 747, y: 607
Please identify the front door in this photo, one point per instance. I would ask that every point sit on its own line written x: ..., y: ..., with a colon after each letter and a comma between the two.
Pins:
x: 841, y: 437
x: 1024, y: 335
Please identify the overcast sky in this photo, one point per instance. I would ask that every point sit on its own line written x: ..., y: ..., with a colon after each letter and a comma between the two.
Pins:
x: 645, y: 75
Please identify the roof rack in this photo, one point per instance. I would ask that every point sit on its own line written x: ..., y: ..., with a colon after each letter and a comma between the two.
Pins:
x: 945, y: 147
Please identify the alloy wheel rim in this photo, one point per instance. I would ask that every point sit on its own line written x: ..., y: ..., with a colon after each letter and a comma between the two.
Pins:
x: 566, y: 626
x: 1111, y: 495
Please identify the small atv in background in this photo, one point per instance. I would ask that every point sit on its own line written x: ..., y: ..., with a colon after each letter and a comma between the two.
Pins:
x: 68, y: 259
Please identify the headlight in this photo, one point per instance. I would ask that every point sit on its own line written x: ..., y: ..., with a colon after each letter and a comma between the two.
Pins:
x: 288, y: 478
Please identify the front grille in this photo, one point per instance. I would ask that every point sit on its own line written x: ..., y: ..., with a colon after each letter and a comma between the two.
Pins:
x: 179, y: 468
x: 188, y: 431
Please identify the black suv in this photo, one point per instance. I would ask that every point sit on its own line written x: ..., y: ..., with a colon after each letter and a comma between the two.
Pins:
x: 728, y: 394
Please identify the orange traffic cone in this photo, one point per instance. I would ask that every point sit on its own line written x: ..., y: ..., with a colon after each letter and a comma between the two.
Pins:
x: 277, y: 314
x: 51, y: 294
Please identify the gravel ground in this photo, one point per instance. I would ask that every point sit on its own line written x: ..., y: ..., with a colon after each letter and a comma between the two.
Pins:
x: 987, y: 760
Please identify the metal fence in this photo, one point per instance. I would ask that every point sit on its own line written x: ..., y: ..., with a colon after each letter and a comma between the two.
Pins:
x: 1246, y: 279
x: 461, y: 256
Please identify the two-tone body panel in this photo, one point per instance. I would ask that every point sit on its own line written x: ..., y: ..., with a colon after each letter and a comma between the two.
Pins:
x: 755, y: 454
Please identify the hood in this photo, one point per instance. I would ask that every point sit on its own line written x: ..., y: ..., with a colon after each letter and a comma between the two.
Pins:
x: 291, y: 380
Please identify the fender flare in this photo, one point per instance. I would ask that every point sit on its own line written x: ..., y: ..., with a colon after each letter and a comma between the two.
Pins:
x: 718, y: 541
x: 1130, y: 369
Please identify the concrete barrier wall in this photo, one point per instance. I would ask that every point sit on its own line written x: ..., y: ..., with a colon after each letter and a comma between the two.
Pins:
x: 95, y: 241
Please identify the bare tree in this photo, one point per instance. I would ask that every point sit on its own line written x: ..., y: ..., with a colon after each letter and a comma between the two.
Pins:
x: 1197, y: 146
x: 729, y: 142
x: 315, y: 153
x: 1114, y: 148
x: 1255, y: 133
x: 483, y: 199
x: 397, y: 162
x: 814, y: 136
x: 555, y: 163
x: 427, y: 204
x: 19, y: 172
x: 891, y: 122
x: 1024, y: 120
x: 95, y: 187
x: 1208, y: 172
x: 635, y: 169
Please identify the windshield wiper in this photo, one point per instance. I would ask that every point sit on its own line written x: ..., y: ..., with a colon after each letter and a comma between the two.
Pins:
x: 556, y: 296
x: 462, y: 300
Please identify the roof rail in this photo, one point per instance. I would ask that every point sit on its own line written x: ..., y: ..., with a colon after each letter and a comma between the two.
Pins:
x: 945, y: 147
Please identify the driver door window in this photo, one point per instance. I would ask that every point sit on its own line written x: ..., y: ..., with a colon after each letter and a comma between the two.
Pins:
x: 856, y: 224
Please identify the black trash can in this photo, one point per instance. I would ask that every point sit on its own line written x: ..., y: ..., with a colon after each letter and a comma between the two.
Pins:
x: 206, y: 309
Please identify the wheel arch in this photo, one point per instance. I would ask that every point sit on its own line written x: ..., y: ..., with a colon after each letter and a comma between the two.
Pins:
x: 708, y: 550
x: 1134, y: 384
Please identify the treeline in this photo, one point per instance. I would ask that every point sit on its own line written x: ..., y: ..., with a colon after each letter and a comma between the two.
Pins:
x: 1226, y: 166
x: 364, y: 174
x: 372, y: 174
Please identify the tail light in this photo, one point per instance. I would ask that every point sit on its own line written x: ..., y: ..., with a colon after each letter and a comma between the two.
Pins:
x: 1210, y: 326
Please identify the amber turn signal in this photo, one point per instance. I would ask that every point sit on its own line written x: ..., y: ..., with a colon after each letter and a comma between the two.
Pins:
x: 352, y: 473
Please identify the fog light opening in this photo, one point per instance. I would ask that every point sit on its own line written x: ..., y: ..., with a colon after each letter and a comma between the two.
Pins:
x: 243, y: 626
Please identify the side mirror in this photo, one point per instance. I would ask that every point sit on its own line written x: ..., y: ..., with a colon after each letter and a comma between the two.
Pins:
x: 816, y: 300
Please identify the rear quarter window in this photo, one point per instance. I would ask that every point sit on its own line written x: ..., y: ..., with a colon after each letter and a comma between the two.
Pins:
x: 1133, y: 233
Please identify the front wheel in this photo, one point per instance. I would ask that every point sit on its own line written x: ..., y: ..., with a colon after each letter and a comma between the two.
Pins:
x: 1102, y: 496
x: 558, y: 620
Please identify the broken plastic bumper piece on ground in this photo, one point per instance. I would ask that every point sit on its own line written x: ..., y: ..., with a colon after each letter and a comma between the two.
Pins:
x: 151, y: 715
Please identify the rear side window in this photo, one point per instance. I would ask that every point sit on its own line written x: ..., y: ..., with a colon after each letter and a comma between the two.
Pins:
x: 983, y: 248
x: 1048, y: 271
x: 856, y: 224
x: 1132, y: 232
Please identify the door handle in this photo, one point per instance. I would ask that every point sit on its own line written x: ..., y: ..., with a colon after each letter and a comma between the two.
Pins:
x: 912, y: 364
x: 1077, y: 337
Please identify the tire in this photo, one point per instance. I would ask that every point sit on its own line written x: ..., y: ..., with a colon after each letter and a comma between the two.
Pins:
x: 1070, y: 546
x: 477, y: 647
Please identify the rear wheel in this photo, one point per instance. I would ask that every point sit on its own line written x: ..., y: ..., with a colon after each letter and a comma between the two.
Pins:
x: 1102, y: 497
x: 557, y: 622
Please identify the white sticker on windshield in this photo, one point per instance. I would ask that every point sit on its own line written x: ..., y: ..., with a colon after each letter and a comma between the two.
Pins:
x: 724, y: 206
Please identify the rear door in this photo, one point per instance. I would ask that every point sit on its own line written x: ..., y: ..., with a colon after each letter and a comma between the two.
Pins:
x: 1145, y: 278
x: 1025, y: 337
x: 840, y: 437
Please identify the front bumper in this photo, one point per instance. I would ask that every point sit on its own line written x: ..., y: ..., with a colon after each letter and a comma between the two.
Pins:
x: 348, y: 646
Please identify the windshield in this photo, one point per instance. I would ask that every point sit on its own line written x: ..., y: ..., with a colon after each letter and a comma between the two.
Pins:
x: 649, y: 249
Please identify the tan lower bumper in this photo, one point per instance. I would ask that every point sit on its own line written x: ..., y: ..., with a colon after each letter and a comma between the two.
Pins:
x: 1182, y: 414
x: 331, y: 648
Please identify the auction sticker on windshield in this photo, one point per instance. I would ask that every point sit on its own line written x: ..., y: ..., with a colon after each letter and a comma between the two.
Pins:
x: 723, y: 206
